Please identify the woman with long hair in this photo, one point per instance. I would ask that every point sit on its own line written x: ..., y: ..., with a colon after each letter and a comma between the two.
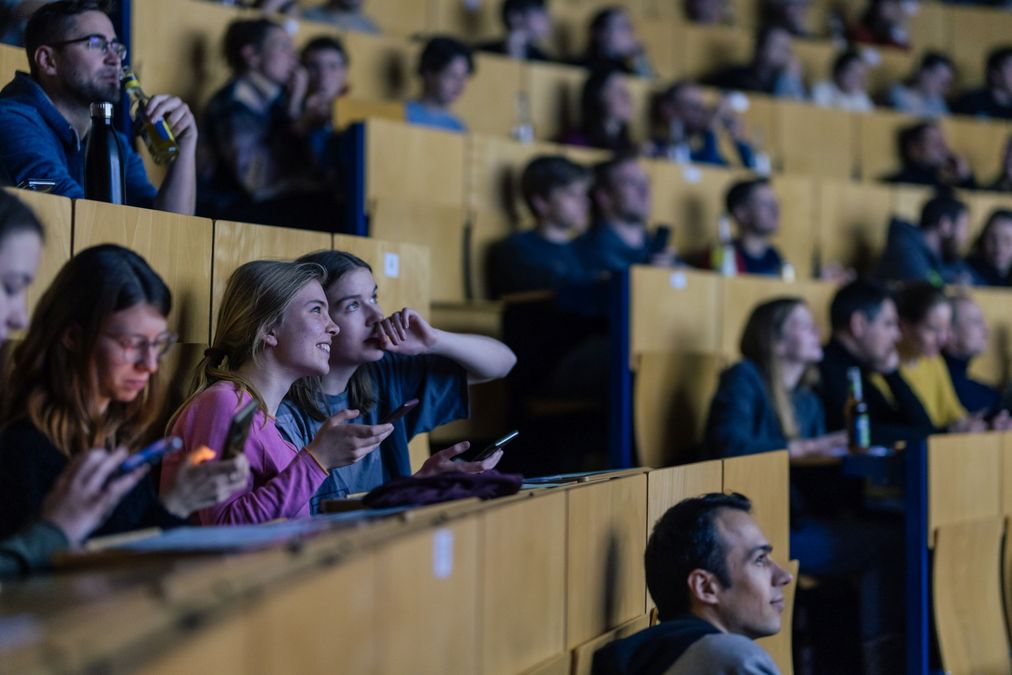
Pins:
x: 375, y: 365
x: 86, y: 376
x: 605, y: 112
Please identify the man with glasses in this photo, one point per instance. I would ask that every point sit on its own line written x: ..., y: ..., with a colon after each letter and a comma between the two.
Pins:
x: 75, y: 60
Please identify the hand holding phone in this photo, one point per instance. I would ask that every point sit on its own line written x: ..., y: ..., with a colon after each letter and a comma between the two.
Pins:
x: 474, y: 455
x: 238, y: 431
x: 149, y: 455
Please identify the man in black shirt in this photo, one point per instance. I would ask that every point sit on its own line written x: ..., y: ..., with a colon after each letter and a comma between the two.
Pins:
x: 994, y: 99
x: 527, y: 22
x: 927, y: 160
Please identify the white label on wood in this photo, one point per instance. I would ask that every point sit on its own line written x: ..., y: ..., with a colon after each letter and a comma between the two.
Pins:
x: 678, y: 281
x: 442, y: 554
x: 391, y: 265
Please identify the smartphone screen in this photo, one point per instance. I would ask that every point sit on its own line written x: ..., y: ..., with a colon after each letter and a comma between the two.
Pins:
x: 149, y: 455
x: 472, y: 455
x: 238, y: 431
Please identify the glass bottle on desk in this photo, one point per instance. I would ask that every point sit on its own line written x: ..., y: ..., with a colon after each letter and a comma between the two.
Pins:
x: 523, y: 130
x: 856, y: 414
x: 156, y: 134
x: 104, y: 158
x: 725, y: 258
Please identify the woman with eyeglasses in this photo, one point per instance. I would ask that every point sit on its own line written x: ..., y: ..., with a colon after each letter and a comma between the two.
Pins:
x: 86, y: 376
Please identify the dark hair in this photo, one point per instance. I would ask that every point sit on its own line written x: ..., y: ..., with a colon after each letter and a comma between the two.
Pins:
x: 307, y: 393
x: 593, y: 113
x: 440, y: 51
x: 16, y: 217
x: 763, y: 35
x: 595, y: 51
x: 857, y: 296
x: 518, y: 7
x: 938, y: 207
x: 684, y: 539
x: 326, y: 42
x: 51, y: 22
x: 665, y: 96
x: 241, y: 34
x: 932, y: 60
x: 843, y: 61
x: 981, y: 242
x: 872, y: 17
x: 915, y: 299
x: 739, y: 193
x: 602, y: 175
x: 909, y: 135
x: 52, y: 383
x: 996, y: 61
x: 548, y: 173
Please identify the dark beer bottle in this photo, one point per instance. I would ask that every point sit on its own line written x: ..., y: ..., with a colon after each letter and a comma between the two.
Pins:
x: 104, y: 158
x: 856, y: 414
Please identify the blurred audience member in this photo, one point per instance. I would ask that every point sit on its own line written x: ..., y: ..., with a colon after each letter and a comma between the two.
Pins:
x: 968, y: 340
x: 612, y: 43
x: 685, y: 128
x: 345, y: 14
x: 884, y: 23
x: 618, y: 236
x: 257, y: 164
x: 444, y: 68
x: 991, y: 260
x: 527, y: 24
x: 606, y: 109
x: 925, y: 92
x: 13, y: 17
x: 326, y: 64
x: 774, y: 68
x: 931, y: 251
x: 926, y: 159
x: 995, y: 98
x: 1003, y: 183
x: 555, y: 191
x: 706, y: 12
x: 755, y: 210
x: 791, y: 15
x: 848, y: 89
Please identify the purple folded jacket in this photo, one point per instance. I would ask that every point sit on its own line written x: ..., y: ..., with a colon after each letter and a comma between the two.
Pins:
x: 444, y: 487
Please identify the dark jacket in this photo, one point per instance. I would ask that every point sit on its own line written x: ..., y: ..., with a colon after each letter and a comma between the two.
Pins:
x: 981, y: 103
x: 29, y: 467
x: 917, y: 174
x: 37, y: 141
x: 975, y: 396
x: 30, y: 550
x: 904, y: 420
x: 651, y: 651
x: 532, y: 53
x: 908, y: 258
x: 984, y: 274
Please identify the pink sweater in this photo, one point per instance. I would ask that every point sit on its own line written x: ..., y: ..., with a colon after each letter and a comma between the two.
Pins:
x: 282, y: 478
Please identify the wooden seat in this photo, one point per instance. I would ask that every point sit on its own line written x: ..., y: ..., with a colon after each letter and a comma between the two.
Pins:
x: 489, y: 104
x: 412, y: 163
x: 802, y: 127
x: 852, y: 222
x: 382, y: 66
x: 877, y: 143
x: 350, y: 110
x: 12, y: 59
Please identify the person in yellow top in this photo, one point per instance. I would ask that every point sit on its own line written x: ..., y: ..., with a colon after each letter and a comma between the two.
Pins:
x: 926, y: 327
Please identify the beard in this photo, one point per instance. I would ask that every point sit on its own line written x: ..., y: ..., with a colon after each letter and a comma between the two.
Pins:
x: 94, y: 90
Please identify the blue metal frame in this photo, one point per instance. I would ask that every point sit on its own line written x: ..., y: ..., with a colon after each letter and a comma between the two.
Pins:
x: 917, y: 577
x: 356, y: 221
x: 620, y: 431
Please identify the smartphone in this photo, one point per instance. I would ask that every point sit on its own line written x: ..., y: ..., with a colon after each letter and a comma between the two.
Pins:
x: 37, y: 184
x: 238, y: 431
x: 149, y: 455
x: 400, y: 412
x: 471, y: 455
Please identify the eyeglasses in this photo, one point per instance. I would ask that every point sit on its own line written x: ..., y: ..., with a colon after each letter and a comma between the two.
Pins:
x: 132, y: 348
x: 98, y: 43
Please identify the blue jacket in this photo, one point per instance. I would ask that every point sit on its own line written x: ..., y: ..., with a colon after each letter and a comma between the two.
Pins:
x: 908, y: 258
x: 37, y: 141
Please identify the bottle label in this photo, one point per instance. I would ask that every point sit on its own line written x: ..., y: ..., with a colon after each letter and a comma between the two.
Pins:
x: 862, y: 431
x: 162, y: 130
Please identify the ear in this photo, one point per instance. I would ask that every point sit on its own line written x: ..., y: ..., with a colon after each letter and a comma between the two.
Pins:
x: 45, y: 60
x: 270, y: 338
x: 539, y: 205
x: 71, y: 339
x: 858, y: 324
x: 704, y: 587
x: 250, y: 56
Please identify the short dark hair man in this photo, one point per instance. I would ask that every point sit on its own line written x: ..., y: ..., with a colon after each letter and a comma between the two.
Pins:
x: 995, y: 98
x: 444, y: 67
x: 75, y: 60
x: 931, y: 251
x: 755, y: 210
x: 865, y: 330
x: 717, y: 588
x: 527, y: 23
x: 926, y: 159
x: 555, y: 190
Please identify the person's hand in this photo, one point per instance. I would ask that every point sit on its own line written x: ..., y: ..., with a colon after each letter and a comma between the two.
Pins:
x: 969, y: 424
x: 442, y: 461
x: 958, y: 167
x: 298, y: 85
x: 338, y: 443
x: 83, y: 496
x: 198, y: 486
x: 666, y: 258
x: 837, y: 273
x: 177, y: 115
x: 1002, y: 422
x: 822, y: 446
x: 406, y: 332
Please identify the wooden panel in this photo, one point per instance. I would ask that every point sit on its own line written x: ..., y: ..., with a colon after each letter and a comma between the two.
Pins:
x: 523, y: 571
x: 238, y: 243
x: 221, y: 650
x: 1006, y: 480
x: 399, y: 17
x: 350, y: 110
x: 816, y: 58
x: 55, y: 214
x: 743, y: 293
x: 12, y: 59
x: 964, y: 478
x: 487, y: 228
x: 557, y: 665
x: 414, y: 163
x: 489, y: 102
x: 966, y: 589
x: 990, y: 29
x: 763, y: 478
x: 177, y: 247
x: 440, y: 228
x: 803, y: 127
x: 479, y: 21
x: 438, y: 571
x: 852, y: 222
x: 554, y: 94
x: 583, y: 656
x: 661, y: 41
x: 981, y: 142
x: 418, y: 451
x: 670, y: 401
x: 402, y: 271
x: 796, y: 238
x: 876, y: 139
x: 707, y: 49
x: 605, y: 578
x: 994, y: 366
x: 931, y: 27
x: 494, y: 167
x: 662, y: 299
x: 908, y: 200
x: 382, y: 67
x: 779, y: 646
